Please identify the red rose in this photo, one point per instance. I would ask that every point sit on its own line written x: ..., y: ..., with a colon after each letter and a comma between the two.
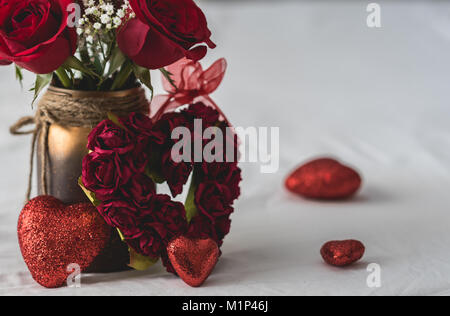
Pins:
x: 214, y: 200
x: 160, y: 222
x: 122, y: 215
x: 103, y: 174
x: 4, y: 62
x: 164, y: 32
x: 34, y: 34
x: 108, y: 138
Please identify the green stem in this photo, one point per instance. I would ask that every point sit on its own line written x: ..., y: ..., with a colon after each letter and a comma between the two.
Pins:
x: 123, y: 76
x: 63, y: 77
x: 191, y: 208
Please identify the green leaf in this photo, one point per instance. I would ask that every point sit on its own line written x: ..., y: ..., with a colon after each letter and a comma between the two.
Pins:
x: 91, y: 195
x: 143, y: 74
x: 153, y: 170
x: 19, y: 75
x: 168, y: 76
x: 189, y: 205
x: 75, y: 63
x: 122, y: 76
x: 41, y: 82
x: 98, y: 66
x: 117, y: 60
x: 115, y: 119
x: 139, y: 262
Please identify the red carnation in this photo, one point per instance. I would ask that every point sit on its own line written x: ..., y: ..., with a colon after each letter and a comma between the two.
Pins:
x: 176, y: 174
x: 122, y: 215
x: 139, y: 190
x: 161, y: 221
x: 199, y: 110
x: 140, y: 124
x: 223, y: 172
x: 214, y: 199
x: 107, y: 137
x: 103, y: 174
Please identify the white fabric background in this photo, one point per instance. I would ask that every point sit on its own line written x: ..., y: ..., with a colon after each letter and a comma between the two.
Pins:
x: 376, y: 98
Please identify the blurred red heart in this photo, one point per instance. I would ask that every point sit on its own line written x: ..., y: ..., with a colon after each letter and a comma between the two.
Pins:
x: 193, y: 259
x: 53, y: 235
x: 342, y: 253
x: 324, y: 179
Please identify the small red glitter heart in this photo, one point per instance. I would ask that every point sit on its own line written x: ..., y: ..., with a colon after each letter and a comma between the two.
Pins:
x: 325, y: 179
x: 193, y: 259
x: 342, y: 253
x: 53, y: 235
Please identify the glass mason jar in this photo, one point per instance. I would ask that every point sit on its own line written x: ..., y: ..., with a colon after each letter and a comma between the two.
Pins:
x: 66, y: 148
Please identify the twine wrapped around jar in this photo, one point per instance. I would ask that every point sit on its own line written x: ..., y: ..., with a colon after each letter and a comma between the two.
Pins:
x: 70, y: 108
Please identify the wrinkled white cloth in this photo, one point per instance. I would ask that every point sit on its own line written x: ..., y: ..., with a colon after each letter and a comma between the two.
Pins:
x: 377, y: 99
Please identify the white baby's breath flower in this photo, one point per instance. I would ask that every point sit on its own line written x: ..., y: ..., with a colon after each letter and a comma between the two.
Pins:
x: 90, y: 38
x: 109, y: 26
x: 81, y: 21
x: 105, y: 19
x: 117, y: 21
x: 89, y: 11
x: 109, y: 8
x: 79, y: 31
x: 97, y: 26
x: 120, y: 13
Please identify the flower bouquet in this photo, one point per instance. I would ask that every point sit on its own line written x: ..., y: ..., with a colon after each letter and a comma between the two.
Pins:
x: 95, y: 120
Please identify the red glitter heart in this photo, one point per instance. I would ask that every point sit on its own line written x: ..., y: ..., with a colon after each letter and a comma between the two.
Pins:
x: 53, y: 235
x: 193, y: 259
x: 342, y: 253
x: 325, y: 179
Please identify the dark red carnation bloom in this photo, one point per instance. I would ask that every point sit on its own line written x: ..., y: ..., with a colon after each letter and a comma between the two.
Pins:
x: 223, y: 172
x: 141, y: 124
x: 202, y: 227
x: 199, y: 110
x: 176, y: 174
x: 214, y: 199
x: 122, y: 215
x: 222, y: 228
x: 103, y: 174
x: 108, y: 138
x: 164, y: 32
x: 139, y: 190
x: 160, y: 222
x: 170, y: 121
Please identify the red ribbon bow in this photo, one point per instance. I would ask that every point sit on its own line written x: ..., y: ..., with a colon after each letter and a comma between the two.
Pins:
x: 193, y: 85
